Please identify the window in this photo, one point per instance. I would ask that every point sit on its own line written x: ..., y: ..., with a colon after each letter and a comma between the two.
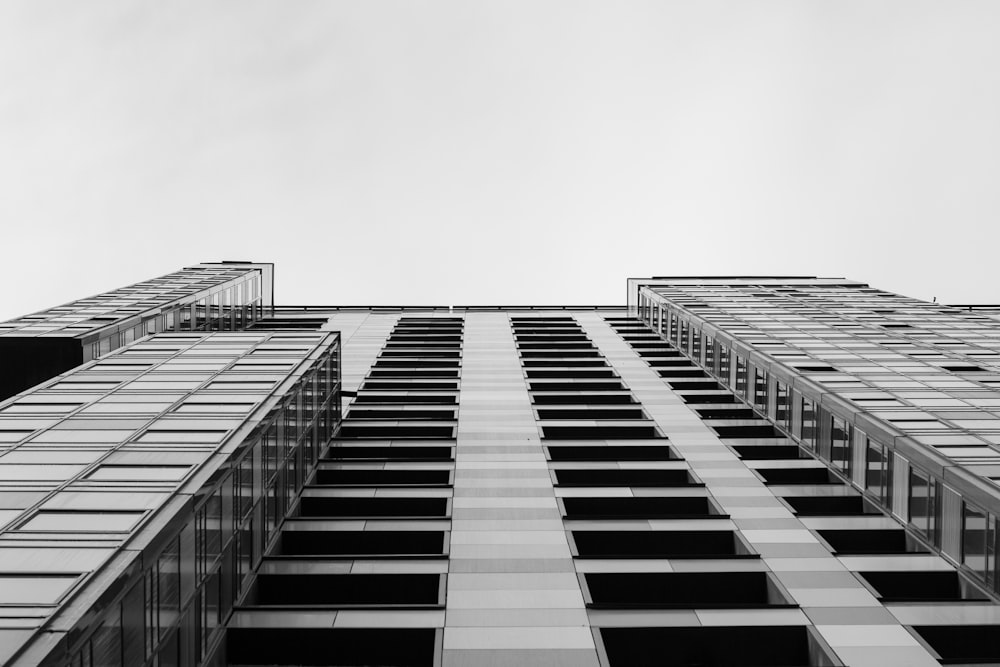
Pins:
x: 719, y: 645
x: 8, y: 436
x: 383, y: 646
x: 840, y: 444
x: 40, y: 408
x: 78, y: 522
x: 181, y: 436
x: 128, y: 368
x: 711, y: 356
x: 83, y: 435
x: 33, y: 589
x: 878, y: 477
x: 168, y: 584
x: 634, y: 508
x: 571, y: 476
x: 258, y: 366
x: 978, y: 542
x: 143, y: 473
x: 115, y: 407
x: 869, y: 541
x: 631, y: 590
x: 781, y: 404
x: 724, y: 356
x: 807, y: 433
x: 741, y: 376
x: 214, y: 408
x: 70, y: 385
x: 203, y: 366
x: 657, y: 544
x: 923, y: 501
x: 106, y: 643
x: 149, y: 384
x: 600, y: 432
x: 27, y: 472
x: 237, y: 385
x: 760, y: 390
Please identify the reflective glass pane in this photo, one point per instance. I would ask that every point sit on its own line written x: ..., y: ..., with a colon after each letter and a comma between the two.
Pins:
x: 105, y: 522
x: 29, y: 589
x: 118, y: 473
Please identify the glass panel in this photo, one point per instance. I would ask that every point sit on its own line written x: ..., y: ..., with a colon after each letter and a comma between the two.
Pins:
x: 724, y: 357
x: 109, y: 407
x: 157, y: 385
x: 760, y: 390
x: 215, y: 408
x: 169, y: 586
x: 14, y: 436
x: 118, y: 473
x: 808, y: 431
x: 251, y: 366
x: 876, y: 469
x: 106, y: 644
x: 31, y: 590
x: 74, y: 522
x: 182, y: 436
x: 225, y: 385
x: 213, y: 530
x: 741, y: 376
x: 40, y: 408
x: 244, y: 488
x: 84, y: 435
x: 840, y: 436
x: 111, y: 366
x: 210, y: 607
x: 974, y: 535
x: 921, y: 502
x: 30, y: 472
x: 782, y: 413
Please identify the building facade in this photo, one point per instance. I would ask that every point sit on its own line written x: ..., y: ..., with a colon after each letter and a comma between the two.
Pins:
x: 721, y: 471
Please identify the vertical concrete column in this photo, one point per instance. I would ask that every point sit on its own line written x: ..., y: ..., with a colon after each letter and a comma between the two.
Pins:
x: 513, y: 597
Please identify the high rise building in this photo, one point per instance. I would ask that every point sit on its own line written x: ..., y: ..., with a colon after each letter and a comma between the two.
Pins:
x: 721, y: 471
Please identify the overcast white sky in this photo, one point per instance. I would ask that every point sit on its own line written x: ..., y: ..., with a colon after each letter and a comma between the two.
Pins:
x: 534, y: 151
